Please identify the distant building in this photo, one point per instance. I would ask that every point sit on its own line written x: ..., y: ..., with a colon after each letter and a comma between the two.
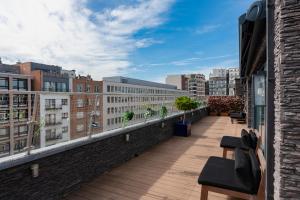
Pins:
x: 126, y: 94
x: 194, y: 83
x: 54, y: 108
x: 177, y: 80
x: 86, y: 108
x: 218, y: 82
x: 15, y: 108
x: 233, y: 74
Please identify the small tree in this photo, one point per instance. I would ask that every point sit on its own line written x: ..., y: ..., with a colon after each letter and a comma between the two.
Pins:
x: 127, y: 116
x: 185, y: 104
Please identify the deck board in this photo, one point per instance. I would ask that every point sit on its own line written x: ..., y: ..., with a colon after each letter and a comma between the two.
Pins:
x: 167, y: 171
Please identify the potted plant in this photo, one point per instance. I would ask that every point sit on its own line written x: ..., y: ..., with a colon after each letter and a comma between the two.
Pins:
x: 163, y: 113
x: 149, y: 113
x: 183, y: 128
x: 127, y: 116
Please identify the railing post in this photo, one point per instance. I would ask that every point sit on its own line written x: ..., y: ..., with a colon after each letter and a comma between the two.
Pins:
x: 31, y: 123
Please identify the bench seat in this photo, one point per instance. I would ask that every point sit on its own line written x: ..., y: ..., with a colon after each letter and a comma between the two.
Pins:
x: 220, y: 172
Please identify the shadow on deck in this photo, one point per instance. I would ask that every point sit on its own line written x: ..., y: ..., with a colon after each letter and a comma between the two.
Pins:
x: 168, y: 171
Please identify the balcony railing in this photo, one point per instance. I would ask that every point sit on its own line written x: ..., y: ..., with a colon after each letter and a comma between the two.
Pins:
x: 98, y: 105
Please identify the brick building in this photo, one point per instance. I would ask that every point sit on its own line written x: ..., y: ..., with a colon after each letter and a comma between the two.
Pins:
x: 15, y: 109
x: 86, y: 108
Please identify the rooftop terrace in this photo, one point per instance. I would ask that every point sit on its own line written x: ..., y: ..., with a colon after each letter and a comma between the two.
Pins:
x: 167, y: 171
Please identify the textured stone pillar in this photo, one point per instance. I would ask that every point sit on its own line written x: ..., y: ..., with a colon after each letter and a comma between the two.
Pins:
x: 287, y: 99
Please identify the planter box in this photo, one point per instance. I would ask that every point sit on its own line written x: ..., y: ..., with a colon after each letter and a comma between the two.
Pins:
x: 224, y: 114
x: 183, y: 129
x: 213, y: 114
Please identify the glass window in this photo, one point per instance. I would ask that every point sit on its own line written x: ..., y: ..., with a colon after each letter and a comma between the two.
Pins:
x: 65, y: 129
x: 4, y: 132
x: 259, y: 83
x: 64, y: 102
x: 3, y: 83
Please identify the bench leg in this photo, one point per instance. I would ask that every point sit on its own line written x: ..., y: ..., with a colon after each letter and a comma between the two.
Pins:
x: 204, y: 193
x: 224, y: 152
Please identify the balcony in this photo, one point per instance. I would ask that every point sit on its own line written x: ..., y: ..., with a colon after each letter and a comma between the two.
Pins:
x: 53, y: 123
x: 167, y: 171
x: 50, y: 108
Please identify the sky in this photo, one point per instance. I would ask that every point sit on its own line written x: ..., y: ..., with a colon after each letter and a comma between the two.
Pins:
x: 144, y: 39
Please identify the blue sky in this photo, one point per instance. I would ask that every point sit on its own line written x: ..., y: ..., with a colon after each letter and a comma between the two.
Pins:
x: 196, y: 36
x: 145, y: 39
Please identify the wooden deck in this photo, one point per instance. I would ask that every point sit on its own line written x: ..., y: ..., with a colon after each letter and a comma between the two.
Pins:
x: 168, y: 171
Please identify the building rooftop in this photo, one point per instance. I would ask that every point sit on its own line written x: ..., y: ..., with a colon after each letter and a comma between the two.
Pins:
x: 126, y: 80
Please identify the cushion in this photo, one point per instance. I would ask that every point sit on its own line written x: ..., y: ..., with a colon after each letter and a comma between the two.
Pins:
x: 246, y: 138
x: 253, y: 139
x: 255, y: 169
x: 232, y: 142
x: 242, y: 163
x: 220, y: 172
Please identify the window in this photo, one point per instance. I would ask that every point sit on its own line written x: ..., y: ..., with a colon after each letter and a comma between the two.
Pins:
x: 108, y: 122
x: 80, y: 103
x: 19, y: 84
x: 51, y: 135
x: 65, y: 129
x: 108, y: 88
x: 88, y: 88
x: 50, y: 103
x: 49, y: 86
x: 4, y: 83
x: 64, y: 115
x: 79, y: 88
x: 50, y: 119
x: 4, y: 148
x: 108, y: 110
x: 4, y: 115
x: 4, y: 132
x: 64, y: 102
x: 4, y: 100
x: 79, y: 115
x: 19, y: 130
x: 79, y: 127
x: 20, y: 144
x: 96, y: 88
x: 108, y: 99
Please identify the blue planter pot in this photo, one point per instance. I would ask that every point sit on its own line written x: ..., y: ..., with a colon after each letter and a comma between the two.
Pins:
x: 183, y: 129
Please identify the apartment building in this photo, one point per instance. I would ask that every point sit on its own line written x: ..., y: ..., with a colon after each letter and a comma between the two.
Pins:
x: 218, y: 82
x: 54, y: 104
x: 194, y: 83
x: 126, y: 94
x: 86, y: 107
x: 15, y: 109
x: 233, y: 74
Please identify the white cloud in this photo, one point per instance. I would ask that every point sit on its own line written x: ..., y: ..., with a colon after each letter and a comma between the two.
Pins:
x: 61, y: 32
x: 207, y: 29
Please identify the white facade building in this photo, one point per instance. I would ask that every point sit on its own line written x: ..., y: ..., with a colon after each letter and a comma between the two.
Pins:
x: 195, y: 84
x: 125, y: 94
x: 233, y: 73
x: 218, y: 83
x: 54, y: 118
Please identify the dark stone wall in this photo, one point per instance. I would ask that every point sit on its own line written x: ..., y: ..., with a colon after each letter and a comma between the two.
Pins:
x: 64, y: 172
x: 287, y: 99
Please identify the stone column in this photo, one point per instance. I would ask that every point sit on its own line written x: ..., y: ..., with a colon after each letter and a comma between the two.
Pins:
x: 287, y: 99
